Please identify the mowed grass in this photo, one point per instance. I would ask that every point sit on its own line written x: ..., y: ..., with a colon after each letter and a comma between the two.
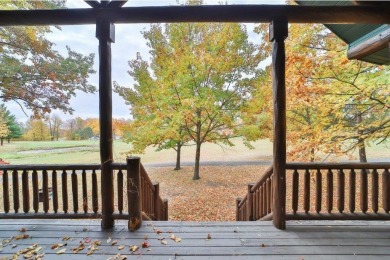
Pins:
x: 84, y: 152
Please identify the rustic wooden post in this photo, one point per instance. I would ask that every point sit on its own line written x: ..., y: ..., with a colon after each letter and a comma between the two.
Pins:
x: 278, y: 32
x: 156, y: 200
x: 249, y: 207
x: 105, y: 32
x: 134, y: 193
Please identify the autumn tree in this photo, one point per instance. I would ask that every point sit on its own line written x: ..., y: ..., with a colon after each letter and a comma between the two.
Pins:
x: 32, y: 73
x: 14, y: 128
x: 334, y: 106
x: 37, y: 130
x: 199, y: 79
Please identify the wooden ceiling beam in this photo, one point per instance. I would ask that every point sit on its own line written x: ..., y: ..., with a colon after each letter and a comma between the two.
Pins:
x: 93, y: 3
x: 216, y: 13
x: 116, y: 4
x: 370, y: 45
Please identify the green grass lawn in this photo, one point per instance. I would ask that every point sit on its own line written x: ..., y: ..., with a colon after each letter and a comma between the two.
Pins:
x: 87, y: 151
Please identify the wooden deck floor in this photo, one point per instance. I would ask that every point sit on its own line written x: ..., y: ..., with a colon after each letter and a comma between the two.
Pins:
x: 203, y: 240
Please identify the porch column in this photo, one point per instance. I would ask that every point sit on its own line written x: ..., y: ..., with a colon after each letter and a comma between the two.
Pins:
x: 105, y: 32
x: 278, y: 31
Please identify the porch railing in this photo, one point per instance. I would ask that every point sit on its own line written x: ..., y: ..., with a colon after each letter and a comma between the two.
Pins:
x: 71, y: 191
x: 338, y: 191
x: 323, y: 191
x: 257, y: 203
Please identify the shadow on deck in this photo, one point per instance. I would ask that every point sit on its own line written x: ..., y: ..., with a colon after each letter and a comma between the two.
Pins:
x: 203, y: 240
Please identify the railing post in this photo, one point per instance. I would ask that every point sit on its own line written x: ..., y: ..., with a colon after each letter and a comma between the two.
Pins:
x: 156, y: 200
x: 238, y: 201
x: 278, y: 32
x: 134, y: 193
x: 249, y: 207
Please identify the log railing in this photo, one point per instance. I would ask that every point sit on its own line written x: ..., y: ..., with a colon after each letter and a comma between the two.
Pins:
x: 257, y: 204
x: 71, y: 191
x: 338, y: 191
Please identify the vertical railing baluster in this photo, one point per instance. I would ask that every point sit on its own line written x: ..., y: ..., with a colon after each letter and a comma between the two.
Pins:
x: 55, y: 190
x: 25, y: 192
x: 255, y: 205
x: 318, y: 191
x: 75, y: 192
x: 35, y: 191
x: 352, y: 190
x: 295, y: 190
x: 340, y: 190
x: 238, y: 215
x: 133, y: 193
x: 249, y: 208
x: 363, y: 191
x: 166, y: 209
x: 156, y: 201
x: 85, y: 190
x: 6, y: 192
x: 375, y: 190
x: 45, y: 191
x: 386, y: 190
x: 306, y: 195
x: 95, y: 200
x: 64, y: 183
x: 261, y: 199
x: 329, y: 190
x: 120, y: 191
x: 15, y: 190
x: 269, y: 195
x: 265, y: 192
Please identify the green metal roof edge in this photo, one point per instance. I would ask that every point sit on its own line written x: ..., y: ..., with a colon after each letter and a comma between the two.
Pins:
x: 369, y: 35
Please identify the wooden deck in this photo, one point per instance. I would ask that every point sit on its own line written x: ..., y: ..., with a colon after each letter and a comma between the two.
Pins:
x: 203, y: 240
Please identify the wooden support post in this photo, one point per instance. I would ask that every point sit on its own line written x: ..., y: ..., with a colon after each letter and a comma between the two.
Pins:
x: 134, y: 193
x: 156, y: 201
x: 105, y: 32
x: 278, y: 32
x: 249, y: 206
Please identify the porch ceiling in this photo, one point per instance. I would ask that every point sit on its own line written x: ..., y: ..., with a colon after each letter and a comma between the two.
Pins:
x: 367, y: 42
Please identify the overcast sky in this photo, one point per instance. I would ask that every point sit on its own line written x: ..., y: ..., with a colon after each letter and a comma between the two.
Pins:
x: 128, y: 42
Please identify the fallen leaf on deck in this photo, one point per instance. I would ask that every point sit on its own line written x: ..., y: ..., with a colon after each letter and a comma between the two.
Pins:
x: 65, y: 238
x: 24, y: 236
x: 61, y: 251
x: 85, y: 229
x: 96, y: 242
x: 14, y: 245
x: 145, y: 244
x: 87, y: 240
x: 117, y: 257
x: 262, y: 245
x: 208, y: 237
x: 109, y: 240
x: 39, y: 257
x: 56, y: 246
x: 113, y: 243
x: 164, y: 242
x: 133, y: 248
x: 22, y: 229
x: 146, y: 237
x: 79, y: 248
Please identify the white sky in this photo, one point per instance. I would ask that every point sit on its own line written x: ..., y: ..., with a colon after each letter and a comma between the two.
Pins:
x: 128, y: 42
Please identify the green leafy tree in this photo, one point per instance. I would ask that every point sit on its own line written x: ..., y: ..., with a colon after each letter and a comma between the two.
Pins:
x: 14, y: 128
x: 199, y: 80
x: 37, y: 130
x: 32, y: 73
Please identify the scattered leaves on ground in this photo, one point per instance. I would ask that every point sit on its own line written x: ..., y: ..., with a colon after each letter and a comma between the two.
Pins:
x: 24, y: 236
x: 164, y: 242
x: 208, y: 237
x: 58, y: 245
x: 79, y: 248
x: 212, y: 198
x: 121, y: 247
x: 145, y: 244
x: 23, y: 229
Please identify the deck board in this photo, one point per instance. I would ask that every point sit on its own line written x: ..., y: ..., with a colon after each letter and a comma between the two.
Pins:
x: 235, y: 240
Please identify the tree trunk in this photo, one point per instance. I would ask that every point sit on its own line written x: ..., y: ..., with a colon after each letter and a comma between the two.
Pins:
x: 2, y: 140
x: 9, y: 140
x: 178, y: 154
x: 361, y: 144
x: 197, y: 161
x: 198, y: 142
